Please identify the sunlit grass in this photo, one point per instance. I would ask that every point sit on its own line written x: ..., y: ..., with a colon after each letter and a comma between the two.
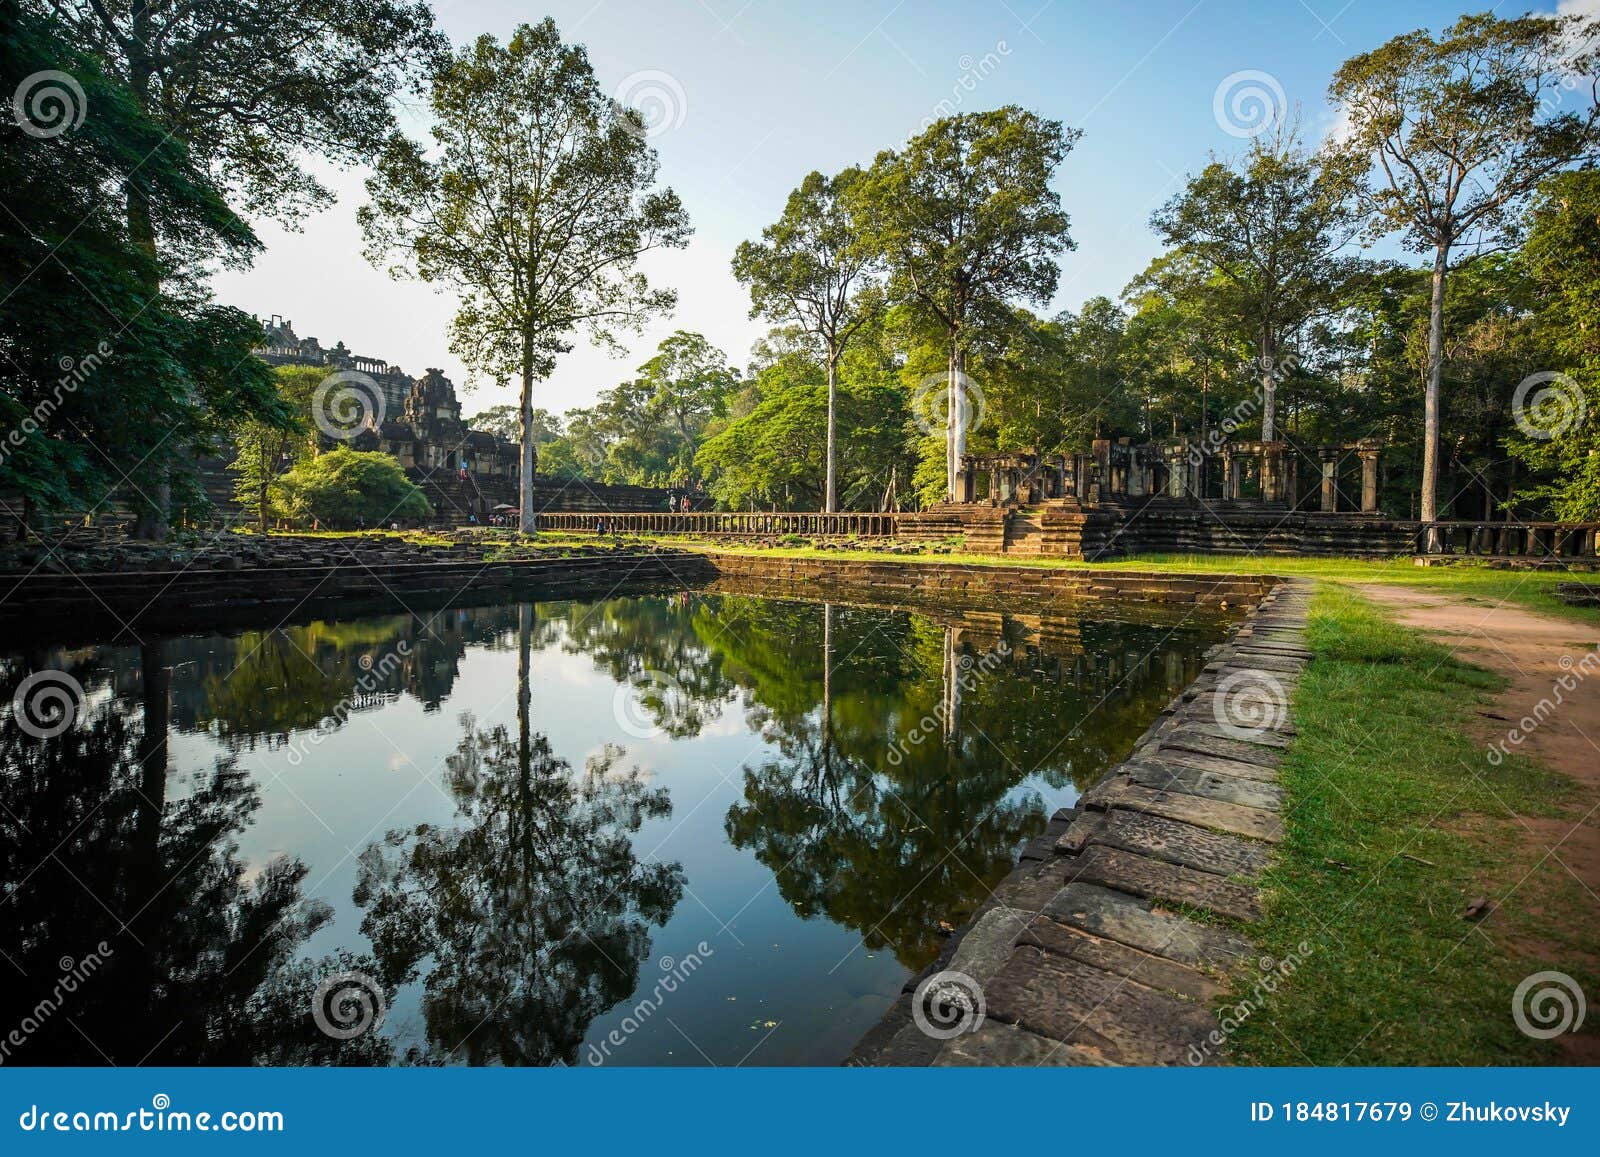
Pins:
x: 1395, y: 822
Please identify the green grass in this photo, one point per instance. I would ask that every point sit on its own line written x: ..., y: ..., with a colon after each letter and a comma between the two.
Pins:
x: 1395, y: 821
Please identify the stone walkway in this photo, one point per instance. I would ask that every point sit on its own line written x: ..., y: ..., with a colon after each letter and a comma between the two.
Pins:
x: 1082, y: 956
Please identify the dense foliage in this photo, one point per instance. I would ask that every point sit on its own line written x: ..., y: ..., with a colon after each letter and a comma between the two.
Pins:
x: 347, y: 488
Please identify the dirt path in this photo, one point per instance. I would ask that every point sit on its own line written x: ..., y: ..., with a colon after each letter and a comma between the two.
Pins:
x: 1535, y: 653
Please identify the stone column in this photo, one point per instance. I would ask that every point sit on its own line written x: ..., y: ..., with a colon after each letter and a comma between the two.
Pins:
x: 1330, y: 479
x: 1230, y: 476
x: 1272, y: 480
x: 1369, y: 479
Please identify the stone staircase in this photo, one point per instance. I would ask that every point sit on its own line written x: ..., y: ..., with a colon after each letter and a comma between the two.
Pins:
x: 1024, y: 531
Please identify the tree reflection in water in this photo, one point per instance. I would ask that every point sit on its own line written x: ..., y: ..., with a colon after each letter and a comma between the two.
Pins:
x: 200, y: 961
x: 532, y: 912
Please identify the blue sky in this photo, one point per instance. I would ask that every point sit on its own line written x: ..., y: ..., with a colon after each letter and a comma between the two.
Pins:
x: 755, y: 95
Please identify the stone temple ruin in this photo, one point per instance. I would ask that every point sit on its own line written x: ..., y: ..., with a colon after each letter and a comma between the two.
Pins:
x: 465, y: 473
x: 1180, y: 496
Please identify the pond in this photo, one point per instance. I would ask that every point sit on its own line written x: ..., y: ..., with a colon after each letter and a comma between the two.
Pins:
x: 689, y: 828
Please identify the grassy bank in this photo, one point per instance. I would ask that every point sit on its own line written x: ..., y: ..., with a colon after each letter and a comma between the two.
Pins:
x: 1396, y: 822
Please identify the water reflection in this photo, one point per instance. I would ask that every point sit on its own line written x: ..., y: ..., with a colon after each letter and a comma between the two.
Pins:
x: 531, y: 911
x: 868, y: 771
x: 196, y: 952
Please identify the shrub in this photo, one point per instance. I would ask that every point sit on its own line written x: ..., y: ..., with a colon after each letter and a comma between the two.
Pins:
x: 345, y: 488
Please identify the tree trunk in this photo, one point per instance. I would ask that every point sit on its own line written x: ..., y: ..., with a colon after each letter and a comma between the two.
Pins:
x: 151, y: 524
x: 529, y: 459
x: 955, y: 421
x: 1269, y: 387
x: 1430, y: 407
x: 830, y: 502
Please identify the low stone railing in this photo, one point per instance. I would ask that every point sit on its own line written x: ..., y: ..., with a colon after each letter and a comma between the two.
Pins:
x: 713, y: 524
x: 1528, y: 540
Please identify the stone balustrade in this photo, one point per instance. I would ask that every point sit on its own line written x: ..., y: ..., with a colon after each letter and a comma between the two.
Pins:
x: 730, y: 524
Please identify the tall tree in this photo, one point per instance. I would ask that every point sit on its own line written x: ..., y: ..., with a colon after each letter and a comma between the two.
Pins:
x: 1271, y: 224
x: 967, y: 222
x: 250, y: 88
x: 1563, y: 428
x: 813, y: 267
x: 104, y: 374
x: 1459, y: 131
x: 688, y: 379
x: 536, y: 210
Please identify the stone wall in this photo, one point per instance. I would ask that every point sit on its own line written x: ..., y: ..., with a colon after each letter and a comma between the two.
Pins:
x: 212, y: 592
x: 1016, y: 588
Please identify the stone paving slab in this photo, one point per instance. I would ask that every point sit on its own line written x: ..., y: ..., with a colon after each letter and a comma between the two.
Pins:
x: 1165, y: 839
x: 1251, y: 822
x: 1115, y: 915
x: 1067, y: 1000
x: 1177, y: 759
x: 997, y: 1045
x: 1222, y: 748
x: 1148, y: 969
x: 1232, y: 789
x: 1166, y: 882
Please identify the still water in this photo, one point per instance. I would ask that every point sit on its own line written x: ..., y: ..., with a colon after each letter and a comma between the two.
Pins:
x: 678, y: 829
